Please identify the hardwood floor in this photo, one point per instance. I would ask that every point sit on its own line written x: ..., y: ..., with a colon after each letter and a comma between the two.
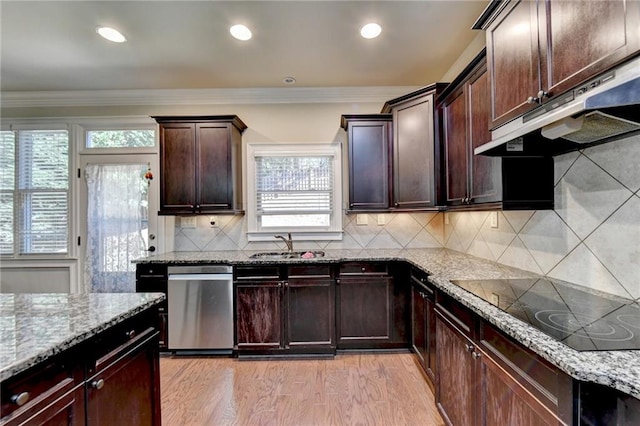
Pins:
x: 368, y: 389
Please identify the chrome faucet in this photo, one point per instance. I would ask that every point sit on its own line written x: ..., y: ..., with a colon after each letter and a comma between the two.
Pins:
x: 288, y: 241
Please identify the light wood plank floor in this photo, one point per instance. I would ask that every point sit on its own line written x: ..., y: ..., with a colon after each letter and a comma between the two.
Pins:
x: 368, y: 389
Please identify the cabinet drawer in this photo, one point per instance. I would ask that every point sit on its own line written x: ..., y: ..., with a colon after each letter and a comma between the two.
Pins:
x: 121, y: 338
x: 267, y: 272
x: 540, y: 378
x: 25, y: 395
x: 151, y: 270
x: 309, y: 271
x: 150, y: 285
x: 364, y: 268
x: 459, y: 315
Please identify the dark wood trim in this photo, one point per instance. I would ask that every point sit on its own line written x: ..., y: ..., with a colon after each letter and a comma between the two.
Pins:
x: 233, y: 119
x: 344, y: 119
x: 435, y: 88
x: 488, y: 14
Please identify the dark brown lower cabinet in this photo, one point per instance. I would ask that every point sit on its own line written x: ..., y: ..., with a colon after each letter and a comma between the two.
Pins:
x: 365, y: 311
x: 125, y: 381
x: 281, y: 311
x: 505, y: 402
x: 423, y: 340
x: 457, y: 386
x: 258, y: 315
x: 483, y: 378
x: 111, y: 379
x: 309, y: 309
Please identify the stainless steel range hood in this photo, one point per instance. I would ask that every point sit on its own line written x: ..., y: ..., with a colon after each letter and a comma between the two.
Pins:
x: 601, y: 109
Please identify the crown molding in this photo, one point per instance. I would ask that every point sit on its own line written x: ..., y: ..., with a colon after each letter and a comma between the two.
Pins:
x: 287, y: 95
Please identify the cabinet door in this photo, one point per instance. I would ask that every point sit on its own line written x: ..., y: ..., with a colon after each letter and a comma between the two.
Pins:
x: 258, y: 315
x: 310, y: 313
x: 177, y: 165
x: 365, y: 317
x: 214, y: 183
x: 485, y: 172
x: 414, y: 154
x: 369, y: 165
x: 585, y: 39
x: 456, y: 150
x: 513, y: 61
x: 505, y: 402
x: 126, y: 389
x: 419, y: 326
x: 456, y: 375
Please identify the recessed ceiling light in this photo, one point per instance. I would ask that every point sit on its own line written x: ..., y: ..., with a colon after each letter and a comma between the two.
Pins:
x: 371, y: 30
x: 240, y: 32
x: 289, y: 80
x: 111, y: 34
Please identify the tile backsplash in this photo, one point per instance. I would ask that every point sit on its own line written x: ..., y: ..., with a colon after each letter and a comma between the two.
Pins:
x: 592, y: 238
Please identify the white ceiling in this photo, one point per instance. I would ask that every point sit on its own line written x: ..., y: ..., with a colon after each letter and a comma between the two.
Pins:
x: 52, y: 45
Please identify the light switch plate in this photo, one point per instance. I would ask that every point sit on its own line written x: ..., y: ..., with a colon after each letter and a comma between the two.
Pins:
x: 494, y: 219
x: 381, y: 219
x: 362, y: 219
x: 446, y: 218
x: 188, y: 221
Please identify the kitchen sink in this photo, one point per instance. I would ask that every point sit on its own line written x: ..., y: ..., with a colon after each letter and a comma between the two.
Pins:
x: 309, y: 254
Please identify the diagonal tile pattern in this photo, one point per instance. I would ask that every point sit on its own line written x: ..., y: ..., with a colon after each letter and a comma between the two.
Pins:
x: 591, y: 239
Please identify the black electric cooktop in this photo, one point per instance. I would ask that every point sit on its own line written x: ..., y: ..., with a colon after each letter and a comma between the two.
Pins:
x: 581, y: 320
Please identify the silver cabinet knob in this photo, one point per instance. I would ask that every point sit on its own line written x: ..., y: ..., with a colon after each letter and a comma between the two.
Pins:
x: 533, y: 100
x: 97, y: 384
x: 21, y: 398
x: 541, y: 95
x: 476, y: 355
x: 469, y: 347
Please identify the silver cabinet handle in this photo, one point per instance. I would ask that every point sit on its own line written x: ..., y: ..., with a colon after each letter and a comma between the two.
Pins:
x: 97, y: 384
x: 21, y: 398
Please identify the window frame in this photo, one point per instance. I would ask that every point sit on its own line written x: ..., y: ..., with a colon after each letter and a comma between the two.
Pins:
x: 116, y: 123
x: 334, y: 150
x: 44, y: 125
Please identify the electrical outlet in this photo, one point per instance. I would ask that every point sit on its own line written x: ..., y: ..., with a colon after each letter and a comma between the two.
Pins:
x: 188, y: 221
x: 381, y: 219
x: 213, y: 221
x: 362, y: 219
x: 494, y: 219
x: 494, y: 299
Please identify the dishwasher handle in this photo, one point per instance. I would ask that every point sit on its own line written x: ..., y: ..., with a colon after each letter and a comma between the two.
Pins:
x: 200, y: 277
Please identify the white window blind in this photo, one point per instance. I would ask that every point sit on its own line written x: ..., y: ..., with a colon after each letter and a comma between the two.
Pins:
x: 294, y: 191
x: 294, y: 187
x: 38, y: 194
x: 7, y: 186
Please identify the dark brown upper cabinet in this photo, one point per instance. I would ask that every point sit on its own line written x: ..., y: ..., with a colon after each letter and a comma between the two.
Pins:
x: 200, y: 164
x: 469, y: 179
x: 369, y: 152
x: 416, y: 159
x: 475, y: 182
x: 539, y: 49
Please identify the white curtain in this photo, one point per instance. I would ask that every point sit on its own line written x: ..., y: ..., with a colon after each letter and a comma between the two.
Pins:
x: 116, y: 226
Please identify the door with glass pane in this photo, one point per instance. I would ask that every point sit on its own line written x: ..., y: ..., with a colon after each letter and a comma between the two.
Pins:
x: 118, y: 216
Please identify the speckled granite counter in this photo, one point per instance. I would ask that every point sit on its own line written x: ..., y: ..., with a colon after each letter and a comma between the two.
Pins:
x: 617, y: 369
x: 34, y: 327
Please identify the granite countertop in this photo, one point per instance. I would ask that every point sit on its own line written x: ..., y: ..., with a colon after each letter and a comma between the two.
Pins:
x: 36, y: 326
x: 616, y: 369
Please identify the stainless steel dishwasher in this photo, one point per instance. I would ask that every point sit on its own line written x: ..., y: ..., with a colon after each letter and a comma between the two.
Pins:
x: 200, y: 302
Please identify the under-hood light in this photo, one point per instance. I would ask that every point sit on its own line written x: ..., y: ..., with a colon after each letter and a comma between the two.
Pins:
x: 111, y: 34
